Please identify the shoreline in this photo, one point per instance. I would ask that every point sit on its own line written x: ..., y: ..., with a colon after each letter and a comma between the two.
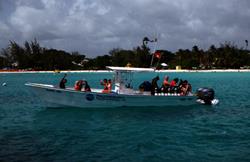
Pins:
x: 108, y: 71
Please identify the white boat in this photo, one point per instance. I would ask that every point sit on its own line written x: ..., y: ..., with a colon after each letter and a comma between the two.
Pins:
x: 123, y: 95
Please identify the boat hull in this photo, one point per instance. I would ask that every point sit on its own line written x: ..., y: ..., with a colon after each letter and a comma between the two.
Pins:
x: 72, y: 98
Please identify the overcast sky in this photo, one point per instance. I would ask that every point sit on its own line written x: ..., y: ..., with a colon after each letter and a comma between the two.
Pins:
x: 94, y: 27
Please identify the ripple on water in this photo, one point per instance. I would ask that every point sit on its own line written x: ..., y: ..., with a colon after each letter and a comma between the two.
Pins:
x: 30, y: 131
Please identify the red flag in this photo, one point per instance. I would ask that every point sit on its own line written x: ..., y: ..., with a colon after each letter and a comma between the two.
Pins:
x: 157, y: 55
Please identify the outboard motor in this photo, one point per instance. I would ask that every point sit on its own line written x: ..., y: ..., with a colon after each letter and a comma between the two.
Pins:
x: 206, y: 95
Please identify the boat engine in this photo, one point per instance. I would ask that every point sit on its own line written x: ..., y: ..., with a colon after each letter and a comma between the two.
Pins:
x: 205, y: 95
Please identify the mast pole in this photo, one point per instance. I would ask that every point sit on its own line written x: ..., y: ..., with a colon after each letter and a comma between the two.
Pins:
x: 155, y: 44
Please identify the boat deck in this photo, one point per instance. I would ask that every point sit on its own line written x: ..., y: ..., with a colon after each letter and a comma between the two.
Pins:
x: 94, y: 90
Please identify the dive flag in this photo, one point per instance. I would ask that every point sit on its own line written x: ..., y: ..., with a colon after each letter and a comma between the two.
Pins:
x: 157, y: 54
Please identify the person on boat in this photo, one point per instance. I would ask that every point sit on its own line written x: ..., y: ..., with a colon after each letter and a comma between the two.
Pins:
x: 86, y: 86
x: 165, y: 84
x: 154, y: 85
x: 185, y: 88
x: 173, y: 85
x: 189, y: 89
x: 145, y: 86
x: 78, y: 85
x: 105, y: 85
x: 63, y: 82
x: 174, y: 82
x: 109, y: 85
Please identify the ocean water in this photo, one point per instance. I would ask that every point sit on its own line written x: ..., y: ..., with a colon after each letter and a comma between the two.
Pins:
x: 30, y: 131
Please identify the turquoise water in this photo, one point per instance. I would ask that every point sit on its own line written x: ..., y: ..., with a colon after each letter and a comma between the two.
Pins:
x: 30, y: 131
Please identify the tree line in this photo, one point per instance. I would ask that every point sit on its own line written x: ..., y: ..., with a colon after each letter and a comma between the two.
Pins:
x: 31, y: 56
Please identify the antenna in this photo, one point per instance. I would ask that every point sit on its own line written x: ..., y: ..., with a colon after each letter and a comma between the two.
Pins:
x: 155, y: 44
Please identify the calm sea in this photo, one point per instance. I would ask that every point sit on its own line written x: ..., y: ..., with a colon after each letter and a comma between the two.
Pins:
x: 30, y: 131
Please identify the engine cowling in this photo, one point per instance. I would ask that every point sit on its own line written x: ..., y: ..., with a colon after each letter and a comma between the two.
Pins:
x: 206, y: 95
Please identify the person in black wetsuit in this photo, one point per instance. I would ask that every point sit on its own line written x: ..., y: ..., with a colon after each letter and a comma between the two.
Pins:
x: 154, y: 85
x: 63, y: 82
x: 145, y: 86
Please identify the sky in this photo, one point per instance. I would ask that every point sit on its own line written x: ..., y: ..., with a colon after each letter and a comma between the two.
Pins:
x: 94, y: 27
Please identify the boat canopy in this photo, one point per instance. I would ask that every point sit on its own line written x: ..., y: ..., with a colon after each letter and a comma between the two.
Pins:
x: 130, y: 69
x: 123, y: 78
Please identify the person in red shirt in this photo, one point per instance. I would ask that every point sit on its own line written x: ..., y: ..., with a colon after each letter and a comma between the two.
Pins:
x: 174, y: 82
x: 173, y: 85
x: 78, y: 85
x: 165, y: 81
x: 105, y: 85
x: 165, y: 84
x: 109, y: 85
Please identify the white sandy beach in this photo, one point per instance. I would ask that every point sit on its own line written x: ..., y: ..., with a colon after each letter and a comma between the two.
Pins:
x: 108, y: 71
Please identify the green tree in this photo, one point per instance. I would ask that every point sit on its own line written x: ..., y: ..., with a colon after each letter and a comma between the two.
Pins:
x: 120, y: 57
x: 100, y: 62
x: 142, y: 57
x: 55, y: 59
